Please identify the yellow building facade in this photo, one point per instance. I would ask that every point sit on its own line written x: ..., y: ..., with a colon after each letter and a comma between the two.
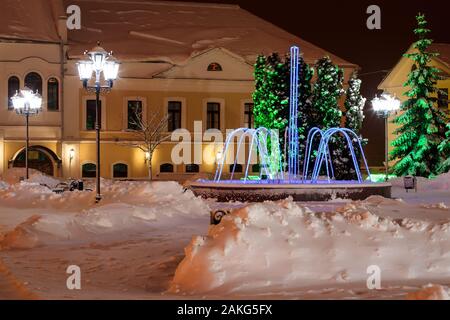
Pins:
x: 211, y: 85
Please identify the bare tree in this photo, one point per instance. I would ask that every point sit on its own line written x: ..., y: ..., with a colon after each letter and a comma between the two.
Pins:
x: 149, y: 134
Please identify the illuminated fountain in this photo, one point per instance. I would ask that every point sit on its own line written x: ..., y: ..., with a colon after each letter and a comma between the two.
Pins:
x: 273, y: 183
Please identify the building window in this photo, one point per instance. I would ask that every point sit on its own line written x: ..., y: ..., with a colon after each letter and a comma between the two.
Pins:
x: 192, y: 168
x: 91, y: 114
x: 213, y: 115
x: 52, y: 94
x: 120, y: 170
x: 256, y: 167
x: 214, y: 67
x: 13, y: 87
x: 134, y: 112
x: 166, y: 168
x: 443, y: 98
x: 89, y: 170
x: 248, y: 115
x: 238, y: 167
x: 34, y: 82
x: 173, y: 115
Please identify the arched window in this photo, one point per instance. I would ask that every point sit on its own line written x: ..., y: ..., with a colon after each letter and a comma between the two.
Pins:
x: 166, y: 167
x: 120, y: 170
x: 192, y: 168
x: 13, y: 87
x: 89, y: 170
x: 238, y: 167
x: 52, y: 94
x: 34, y: 81
x: 214, y: 67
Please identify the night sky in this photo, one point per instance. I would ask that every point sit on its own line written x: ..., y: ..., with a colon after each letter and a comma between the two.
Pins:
x: 340, y: 27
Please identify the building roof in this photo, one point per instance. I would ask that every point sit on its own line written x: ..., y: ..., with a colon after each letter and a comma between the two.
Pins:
x: 444, y: 52
x: 174, y: 31
x: 28, y: 20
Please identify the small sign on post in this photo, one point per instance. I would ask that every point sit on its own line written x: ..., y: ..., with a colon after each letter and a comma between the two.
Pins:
x: 410, y: 182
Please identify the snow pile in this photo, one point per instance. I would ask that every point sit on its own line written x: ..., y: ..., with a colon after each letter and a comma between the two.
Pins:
x: 127, y: 207
x: 430, y: 292
x: 441, y: 182
x: 281, y: 247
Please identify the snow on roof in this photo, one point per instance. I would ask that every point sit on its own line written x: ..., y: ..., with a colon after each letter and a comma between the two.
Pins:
x: 174, y: 31
x: 28, y: 20
x: 444, y: 52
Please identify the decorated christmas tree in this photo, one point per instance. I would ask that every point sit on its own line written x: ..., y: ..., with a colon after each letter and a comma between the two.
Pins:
x: 421, y: 124
x: 327, y: 114
x: 354, y: 116
x: 271, y: 96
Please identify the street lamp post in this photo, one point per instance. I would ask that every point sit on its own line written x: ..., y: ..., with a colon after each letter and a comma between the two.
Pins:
x: 71, y: 156
x: 27, y: 103
x: 99, y: 61
x: 385, y: 106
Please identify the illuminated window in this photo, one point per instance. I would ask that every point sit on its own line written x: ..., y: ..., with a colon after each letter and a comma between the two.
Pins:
x: 214, y: 67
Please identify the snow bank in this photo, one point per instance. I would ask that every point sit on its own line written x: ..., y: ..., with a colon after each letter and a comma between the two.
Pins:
x: 278, y: 247
x: 127, y: 208
x: 441, y: 182
x: 430, y: 292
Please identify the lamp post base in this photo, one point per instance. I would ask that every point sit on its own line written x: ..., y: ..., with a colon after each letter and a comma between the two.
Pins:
x: 98, y: 197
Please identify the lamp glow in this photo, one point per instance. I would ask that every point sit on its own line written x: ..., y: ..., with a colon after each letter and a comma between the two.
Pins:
x: 85, y: 69
x: 386, y: 104
x: 110, y: 70
x: 71, y: 153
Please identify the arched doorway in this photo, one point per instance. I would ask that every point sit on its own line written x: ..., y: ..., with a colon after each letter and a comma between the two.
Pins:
x: 39, y: 158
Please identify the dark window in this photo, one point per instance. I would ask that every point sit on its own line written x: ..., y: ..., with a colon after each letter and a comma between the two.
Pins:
x: 13, y: 87
x: 91, y: 115
x: 52, y: 94
x: 166, y: 167
x: 256, y: 167
x: 248, y: 115
x: 134, y: 111
x: 88, y: 170
x: 213, y: 115
x: 237, y: 169
x: 174, y: 115
x: 443, y: 98
x: 34, y: 82
x: 192, y: 168
x: 214, y: 67
x: 120, y: 170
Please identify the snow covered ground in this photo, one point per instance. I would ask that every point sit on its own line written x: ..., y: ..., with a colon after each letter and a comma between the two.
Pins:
x: 153, y: 241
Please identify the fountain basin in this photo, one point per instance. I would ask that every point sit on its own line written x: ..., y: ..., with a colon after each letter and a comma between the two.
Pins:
x: 258, y: 191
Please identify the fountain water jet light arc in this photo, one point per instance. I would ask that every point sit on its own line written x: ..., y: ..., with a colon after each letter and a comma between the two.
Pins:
x: 273, y: 184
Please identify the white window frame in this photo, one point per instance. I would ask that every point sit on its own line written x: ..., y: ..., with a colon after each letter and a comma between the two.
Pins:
x: 125, y: 109
x: 103, y: 111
